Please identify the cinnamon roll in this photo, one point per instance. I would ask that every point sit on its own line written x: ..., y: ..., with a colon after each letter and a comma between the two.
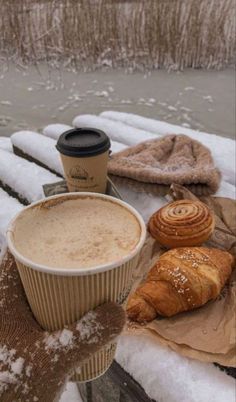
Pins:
x: 182, y: 223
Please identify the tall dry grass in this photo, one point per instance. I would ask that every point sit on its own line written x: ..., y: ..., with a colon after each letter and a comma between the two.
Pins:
x: 137, y: 34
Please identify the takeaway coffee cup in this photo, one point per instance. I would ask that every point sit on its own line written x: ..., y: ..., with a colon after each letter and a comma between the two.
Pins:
x: 59, y: 293
x: 84, y: 154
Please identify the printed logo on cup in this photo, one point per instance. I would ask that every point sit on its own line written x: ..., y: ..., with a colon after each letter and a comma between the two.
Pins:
x: 80, y: 177
x: 78, y: 173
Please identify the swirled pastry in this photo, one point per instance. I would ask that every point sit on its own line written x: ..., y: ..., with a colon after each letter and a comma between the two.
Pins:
x: 182, y: 279
x: 182, y: 223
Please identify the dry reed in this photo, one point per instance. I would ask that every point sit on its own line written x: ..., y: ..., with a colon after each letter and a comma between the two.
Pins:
x: 137, y: 34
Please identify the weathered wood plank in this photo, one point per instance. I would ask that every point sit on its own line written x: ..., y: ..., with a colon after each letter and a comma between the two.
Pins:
x: 22, y: 154
x: 116, y: 385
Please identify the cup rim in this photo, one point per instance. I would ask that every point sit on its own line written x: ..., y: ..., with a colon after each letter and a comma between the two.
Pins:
x: 79, y: 271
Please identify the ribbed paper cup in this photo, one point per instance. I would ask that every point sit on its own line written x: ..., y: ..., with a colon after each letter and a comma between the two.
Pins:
x: 61, y: 296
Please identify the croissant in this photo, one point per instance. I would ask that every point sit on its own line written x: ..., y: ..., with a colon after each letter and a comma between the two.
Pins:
x: 182, y: 223
x: 181, y: 280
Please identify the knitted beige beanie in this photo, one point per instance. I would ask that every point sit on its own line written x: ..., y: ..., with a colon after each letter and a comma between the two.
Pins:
x: 34, y: 364
x: 171, y: 159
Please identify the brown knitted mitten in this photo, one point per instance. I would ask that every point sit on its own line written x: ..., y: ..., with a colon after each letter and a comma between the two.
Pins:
x: 34, y: 364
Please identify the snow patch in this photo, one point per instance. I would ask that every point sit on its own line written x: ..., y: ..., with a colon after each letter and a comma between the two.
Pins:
x: 5, y: 120
x: 59, y: 340
x: 9, y: 208
x: 145, y: 204
x: 66, y: 337
x: 186, y: 380
x: 126, y: 101
x: 172, y: 108
x: 14, y: 367
x: 39, y: 147
x: 101, y: 94
x: 208, y: 98
x: 55, y: 130
x: 26, y: 178
x: 186, y: 117
x: 6, y: 103
x: 185, y: 109
x: 89, y: 328
x: 17, y: 365
x: 5, y: 144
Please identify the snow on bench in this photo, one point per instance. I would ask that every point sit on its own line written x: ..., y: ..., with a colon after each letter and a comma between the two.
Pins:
x: 39, y: 149
x: 116, y: 131
x: 168, y: 377
x: 55, y: 130
x: 9, y: 207
x: 23, y: 179
x: 5, y: 144
x: 226, y: 190
x: 222, y: 149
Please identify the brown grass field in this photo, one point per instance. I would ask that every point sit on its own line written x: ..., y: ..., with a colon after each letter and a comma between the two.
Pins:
x: 148, y: 34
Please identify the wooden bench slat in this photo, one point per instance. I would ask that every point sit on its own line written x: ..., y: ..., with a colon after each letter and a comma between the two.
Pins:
x: 23, y: 179
x: 39, y: 149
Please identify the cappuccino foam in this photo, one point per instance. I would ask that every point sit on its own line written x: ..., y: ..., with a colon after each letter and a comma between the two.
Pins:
x: 76, y: 233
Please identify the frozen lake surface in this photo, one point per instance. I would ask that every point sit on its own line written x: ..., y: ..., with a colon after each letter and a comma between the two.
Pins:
x: 32, y: 98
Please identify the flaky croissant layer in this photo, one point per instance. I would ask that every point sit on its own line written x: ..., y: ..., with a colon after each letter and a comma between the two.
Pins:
x: 182, y: 279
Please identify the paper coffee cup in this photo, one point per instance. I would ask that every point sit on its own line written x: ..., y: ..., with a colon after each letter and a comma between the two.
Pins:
x: 62, y: 296
x: 84, y: 153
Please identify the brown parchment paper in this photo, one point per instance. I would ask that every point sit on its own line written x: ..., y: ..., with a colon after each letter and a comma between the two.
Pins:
x: 208, y: 333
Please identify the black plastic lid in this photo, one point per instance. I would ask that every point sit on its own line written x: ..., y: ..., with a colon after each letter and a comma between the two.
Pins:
x: 83, y: 142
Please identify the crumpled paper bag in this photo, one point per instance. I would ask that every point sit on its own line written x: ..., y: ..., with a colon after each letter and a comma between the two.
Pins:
x: 209, y: 332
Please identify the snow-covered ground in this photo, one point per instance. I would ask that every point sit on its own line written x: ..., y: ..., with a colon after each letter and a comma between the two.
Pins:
x: 164, y: 375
